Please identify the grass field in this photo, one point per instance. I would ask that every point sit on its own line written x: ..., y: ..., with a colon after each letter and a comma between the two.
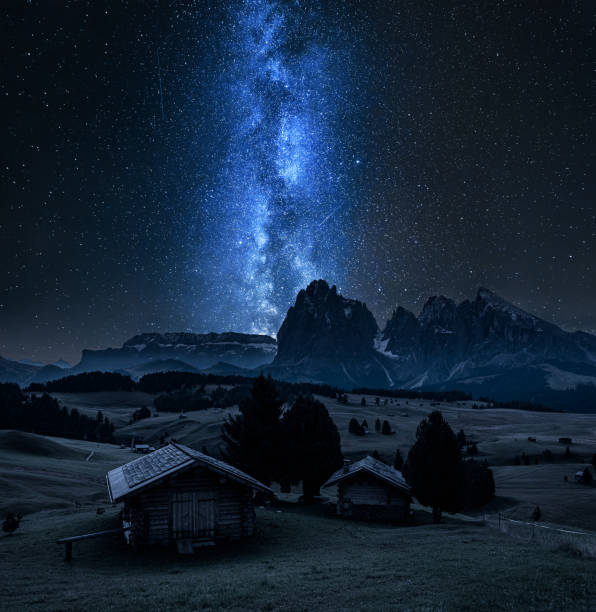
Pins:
x: 500, y: 434
x: 299, y: 560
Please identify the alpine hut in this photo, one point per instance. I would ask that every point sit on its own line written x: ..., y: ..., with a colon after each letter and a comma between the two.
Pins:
x: 179, y: 495
x: 371, y: 490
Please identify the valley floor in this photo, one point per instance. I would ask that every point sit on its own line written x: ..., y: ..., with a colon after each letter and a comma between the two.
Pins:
x: 299, y: 560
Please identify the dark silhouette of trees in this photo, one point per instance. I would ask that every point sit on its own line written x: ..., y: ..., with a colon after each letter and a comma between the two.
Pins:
x: 378, y: 425
x: 594, y: 461
x: 253, y: 438
x: 433, y: 466
x: 386, y: 428
x: 44, y: 415
x: 472, y: 450
x: 312, y: 445
x: 140, y: 414
x: 461, y: 438
x: 587, y: 477
x: 398, y: 461
x: 477, y: 485
x: 183, y: 400
x: 363, y: 401
x: 87, y: 382
x: 355, y: 428
x: 11, y: 522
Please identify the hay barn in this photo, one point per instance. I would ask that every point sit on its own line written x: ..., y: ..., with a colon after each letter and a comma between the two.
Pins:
x: 177, y: 495
x: 371, y: 490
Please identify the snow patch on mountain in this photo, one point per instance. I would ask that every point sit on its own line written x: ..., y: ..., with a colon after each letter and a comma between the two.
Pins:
x: 380, y: 346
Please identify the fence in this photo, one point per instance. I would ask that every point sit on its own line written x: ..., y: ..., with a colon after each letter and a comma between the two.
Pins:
x: 547, y: 535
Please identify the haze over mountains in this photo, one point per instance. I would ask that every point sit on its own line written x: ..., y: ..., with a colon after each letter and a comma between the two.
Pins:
x: 485, y: 346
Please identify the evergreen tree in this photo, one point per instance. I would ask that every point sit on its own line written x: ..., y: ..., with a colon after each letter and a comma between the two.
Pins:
x: 433, y: 466
x: 253, y: 438
x: 461, y: 438
x: 378, y: 425
x: 386, y: 429
x: 398, y: 462
x: 312, y: 445
x: 355, y: 428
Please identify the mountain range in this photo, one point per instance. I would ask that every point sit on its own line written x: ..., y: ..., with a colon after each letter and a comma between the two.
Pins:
x: 486, y: 346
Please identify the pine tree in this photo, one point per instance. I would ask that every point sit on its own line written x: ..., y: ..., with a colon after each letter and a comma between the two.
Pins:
x: 312, y: 446
x: 253, y: 438
x: 433, y: 466
x: 398, y: 462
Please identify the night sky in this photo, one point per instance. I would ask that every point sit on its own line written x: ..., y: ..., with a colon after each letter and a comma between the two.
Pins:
x: 183, y: 165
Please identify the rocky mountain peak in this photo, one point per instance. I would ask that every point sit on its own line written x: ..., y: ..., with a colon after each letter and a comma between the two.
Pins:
x: 438, y: 310
x: 323, y: 323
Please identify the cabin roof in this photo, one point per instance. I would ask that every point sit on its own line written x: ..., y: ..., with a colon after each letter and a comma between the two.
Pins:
x: 375, y: 468
x: 148, y: 470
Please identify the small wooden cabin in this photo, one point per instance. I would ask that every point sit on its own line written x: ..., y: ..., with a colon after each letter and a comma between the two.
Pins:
x: 371, y: 490
x: 179, y: 495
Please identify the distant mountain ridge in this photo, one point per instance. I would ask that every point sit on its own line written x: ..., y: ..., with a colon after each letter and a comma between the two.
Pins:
x: 485, y: 346
x: 151, y: 352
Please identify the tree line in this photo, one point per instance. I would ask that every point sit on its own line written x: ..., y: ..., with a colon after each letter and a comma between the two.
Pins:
x: 44, y: 415
x: 303, y: 444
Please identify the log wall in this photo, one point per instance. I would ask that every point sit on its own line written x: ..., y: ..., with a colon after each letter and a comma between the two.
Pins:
x: 369, y: 498
x: 150, y: 512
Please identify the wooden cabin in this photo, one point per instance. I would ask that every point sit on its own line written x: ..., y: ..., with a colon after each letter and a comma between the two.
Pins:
x: 177, y: 495
x: 371, y: 490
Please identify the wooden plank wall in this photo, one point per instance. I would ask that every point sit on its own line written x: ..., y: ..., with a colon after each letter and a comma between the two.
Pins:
x: 368, y: 497
x: 150, y: 511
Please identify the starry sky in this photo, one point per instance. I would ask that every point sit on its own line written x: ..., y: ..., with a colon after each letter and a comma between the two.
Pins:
x: 190, y: 165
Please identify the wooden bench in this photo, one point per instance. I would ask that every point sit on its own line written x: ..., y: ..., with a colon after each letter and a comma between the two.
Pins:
x: 68, y: 541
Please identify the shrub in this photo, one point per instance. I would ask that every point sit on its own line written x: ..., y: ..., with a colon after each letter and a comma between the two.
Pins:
x: 355, y: 428
x: 386, y: 428
x: 477, y: 484
x: 138, y: 415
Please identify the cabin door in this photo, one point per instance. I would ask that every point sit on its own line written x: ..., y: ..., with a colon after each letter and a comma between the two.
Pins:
x: 192, y: 516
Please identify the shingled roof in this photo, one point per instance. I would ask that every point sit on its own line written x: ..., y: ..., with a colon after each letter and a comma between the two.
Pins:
x: 148, y: 470
x: 378, y: 469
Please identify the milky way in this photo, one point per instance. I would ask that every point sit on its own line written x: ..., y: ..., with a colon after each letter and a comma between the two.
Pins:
x: 191, y: 164
x: 266, y: 219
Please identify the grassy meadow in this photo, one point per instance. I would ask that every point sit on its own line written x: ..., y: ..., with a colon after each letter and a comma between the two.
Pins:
x: 301, y: 558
